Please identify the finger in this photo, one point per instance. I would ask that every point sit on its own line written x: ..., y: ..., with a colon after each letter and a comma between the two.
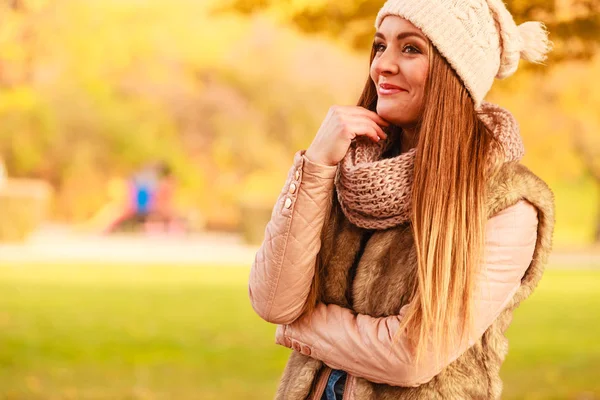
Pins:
x: 361, y: 120
x: 379, y: 130
x: 371, y: 115
x: 364, y: 129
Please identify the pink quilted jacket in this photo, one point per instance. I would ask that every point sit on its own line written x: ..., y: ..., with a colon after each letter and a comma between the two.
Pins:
x: 283, y: 269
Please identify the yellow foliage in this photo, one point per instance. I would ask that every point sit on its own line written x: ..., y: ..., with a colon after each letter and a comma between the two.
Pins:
x: 95, y: 89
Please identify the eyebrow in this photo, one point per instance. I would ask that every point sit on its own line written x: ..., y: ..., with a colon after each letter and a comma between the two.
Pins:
x: 401, y: 36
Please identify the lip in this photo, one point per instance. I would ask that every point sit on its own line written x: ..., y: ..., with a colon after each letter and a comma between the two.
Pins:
x: 389, y: 89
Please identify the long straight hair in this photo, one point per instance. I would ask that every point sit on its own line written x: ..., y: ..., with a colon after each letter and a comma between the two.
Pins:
x: 455, y: 156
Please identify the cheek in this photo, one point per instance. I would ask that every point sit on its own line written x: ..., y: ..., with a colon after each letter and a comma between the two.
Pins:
x: 417, y: 74
x: 373, y: 75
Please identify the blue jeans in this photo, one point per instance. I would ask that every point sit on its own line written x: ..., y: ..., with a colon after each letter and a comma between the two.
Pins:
x: 335, y: 385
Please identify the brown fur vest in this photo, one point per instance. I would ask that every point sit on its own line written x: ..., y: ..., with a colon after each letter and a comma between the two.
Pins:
x: 380, y: 286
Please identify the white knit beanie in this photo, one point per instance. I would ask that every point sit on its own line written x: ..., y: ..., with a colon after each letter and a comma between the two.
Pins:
x: 478, y: 38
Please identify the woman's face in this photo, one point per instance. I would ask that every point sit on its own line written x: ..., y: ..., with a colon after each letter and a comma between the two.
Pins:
x: 399, y: 70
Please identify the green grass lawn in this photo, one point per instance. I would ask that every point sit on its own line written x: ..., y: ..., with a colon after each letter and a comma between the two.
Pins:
x: 95, y: 332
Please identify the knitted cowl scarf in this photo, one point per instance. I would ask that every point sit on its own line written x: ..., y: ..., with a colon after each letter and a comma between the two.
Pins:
x: 375, y: 192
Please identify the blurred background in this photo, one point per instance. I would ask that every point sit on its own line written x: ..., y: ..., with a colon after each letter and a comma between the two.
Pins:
x: 142, y: 147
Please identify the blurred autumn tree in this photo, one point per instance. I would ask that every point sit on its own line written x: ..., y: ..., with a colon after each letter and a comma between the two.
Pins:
x: 574, y: 24
x: 93, y: 89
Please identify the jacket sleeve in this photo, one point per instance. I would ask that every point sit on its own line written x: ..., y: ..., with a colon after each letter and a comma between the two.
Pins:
x: 283, y: 268
x: 362, y: 345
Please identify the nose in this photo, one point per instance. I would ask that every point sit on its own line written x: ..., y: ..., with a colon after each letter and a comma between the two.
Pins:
x: 386, y: 64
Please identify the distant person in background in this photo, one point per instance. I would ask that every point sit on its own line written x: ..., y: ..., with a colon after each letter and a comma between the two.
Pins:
x: 143, y: 189
x: 149, y: 203
x: 163, y: 215
x: 135, y: 201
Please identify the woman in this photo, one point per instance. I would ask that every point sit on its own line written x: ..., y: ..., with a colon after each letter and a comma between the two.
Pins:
x: 408, y: 232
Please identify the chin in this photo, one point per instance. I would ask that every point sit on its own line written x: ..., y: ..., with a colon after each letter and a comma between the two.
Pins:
x: 392, y: 116
x: 395, y: 115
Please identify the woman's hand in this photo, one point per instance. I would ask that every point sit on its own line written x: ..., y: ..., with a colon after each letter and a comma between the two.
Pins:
x: 341, y: 125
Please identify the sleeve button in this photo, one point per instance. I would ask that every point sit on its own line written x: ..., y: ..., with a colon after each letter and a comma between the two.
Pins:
x: 293, y: 188
x: 288, y: 203
x: 305, y: 350
x: 297, y: 175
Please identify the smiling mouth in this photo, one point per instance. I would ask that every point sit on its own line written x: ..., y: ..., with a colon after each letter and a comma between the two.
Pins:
x: 389, y: 90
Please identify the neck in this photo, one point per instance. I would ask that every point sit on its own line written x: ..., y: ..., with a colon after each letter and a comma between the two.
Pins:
x: 409, y: 139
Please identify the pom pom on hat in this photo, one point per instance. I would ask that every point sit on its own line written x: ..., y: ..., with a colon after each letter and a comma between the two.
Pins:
x: 536, y: 44
x: 528, y: 41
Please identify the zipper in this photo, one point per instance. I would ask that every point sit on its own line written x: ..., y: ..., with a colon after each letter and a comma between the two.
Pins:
x: 321, y: 383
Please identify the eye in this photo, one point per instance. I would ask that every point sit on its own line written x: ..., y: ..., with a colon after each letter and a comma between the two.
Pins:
x: 413, y: 49
x: 378, y: 47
